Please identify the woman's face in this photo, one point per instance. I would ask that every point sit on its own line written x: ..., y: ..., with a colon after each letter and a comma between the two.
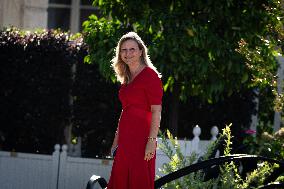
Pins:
x: 130, y: 52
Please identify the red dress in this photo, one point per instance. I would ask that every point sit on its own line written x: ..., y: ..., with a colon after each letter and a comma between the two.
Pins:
x: 130, y: 170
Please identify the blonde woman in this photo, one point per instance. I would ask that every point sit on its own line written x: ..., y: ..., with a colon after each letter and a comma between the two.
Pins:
x: 141, y: 98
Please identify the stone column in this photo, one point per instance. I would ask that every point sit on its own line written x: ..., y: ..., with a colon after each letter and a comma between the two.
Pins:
x: 35, y: 14
x: 23, y: 14
x: 10, y: 13
x: 1, y: 13
x: 75, y: 16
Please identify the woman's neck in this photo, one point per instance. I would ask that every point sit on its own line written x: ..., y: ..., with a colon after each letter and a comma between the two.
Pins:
x: 134, y: 68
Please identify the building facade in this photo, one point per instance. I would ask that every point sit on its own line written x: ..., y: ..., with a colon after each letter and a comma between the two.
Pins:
x: 67, y: 15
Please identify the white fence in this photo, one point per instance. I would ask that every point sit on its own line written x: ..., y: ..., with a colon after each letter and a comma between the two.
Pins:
x: 188, y: 147
x: 18, y: 170
x: 56, y: 171
x: 59, y: 171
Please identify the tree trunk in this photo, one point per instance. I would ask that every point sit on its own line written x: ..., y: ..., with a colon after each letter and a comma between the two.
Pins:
x: 174, y: 107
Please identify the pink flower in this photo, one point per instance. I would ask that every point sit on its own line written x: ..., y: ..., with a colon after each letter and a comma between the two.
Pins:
x: 250, y: 131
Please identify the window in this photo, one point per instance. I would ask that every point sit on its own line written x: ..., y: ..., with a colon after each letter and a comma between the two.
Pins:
x: 59, y: 18
x: 69, y: 15
x: 86, y: 9
x: 67, y: 2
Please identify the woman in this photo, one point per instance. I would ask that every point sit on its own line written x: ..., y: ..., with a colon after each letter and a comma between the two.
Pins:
x: 141, y: 97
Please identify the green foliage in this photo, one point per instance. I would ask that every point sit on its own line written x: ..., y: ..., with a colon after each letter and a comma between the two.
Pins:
x: 228, y: 143
x: 102, y: 35
x: 229, y: 177
x: 257, y: 177
x: 198, y: 45
x: 265, y: 144
x: 177, y: 161
x: 209, y: 50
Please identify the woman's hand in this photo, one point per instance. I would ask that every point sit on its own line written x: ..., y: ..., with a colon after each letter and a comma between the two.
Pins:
x: 112, y: 150
x: 150, y: 150
x: 114, y: 143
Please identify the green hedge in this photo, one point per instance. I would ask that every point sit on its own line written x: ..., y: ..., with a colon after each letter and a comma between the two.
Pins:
x: 96, y: 110
x: 36, y: 85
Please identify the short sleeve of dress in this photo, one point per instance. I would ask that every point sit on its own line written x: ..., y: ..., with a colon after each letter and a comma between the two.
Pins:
x: 154, y: 88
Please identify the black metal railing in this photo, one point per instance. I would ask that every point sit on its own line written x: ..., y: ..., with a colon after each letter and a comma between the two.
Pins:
x: 205, y: 166
x: 96, y: 179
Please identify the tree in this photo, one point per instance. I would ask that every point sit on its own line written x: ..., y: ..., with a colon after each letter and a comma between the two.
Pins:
x: 208, y: 49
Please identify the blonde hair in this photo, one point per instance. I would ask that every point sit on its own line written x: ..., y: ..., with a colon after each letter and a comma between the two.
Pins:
x: 121, y: 69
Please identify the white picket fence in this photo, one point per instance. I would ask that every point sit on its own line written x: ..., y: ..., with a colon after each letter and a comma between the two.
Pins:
x: 60, y: 171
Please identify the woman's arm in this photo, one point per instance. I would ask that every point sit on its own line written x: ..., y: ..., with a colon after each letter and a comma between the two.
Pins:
x: 114, y: 144
x: 156, y: 119
x: 154, y: 129
x: 115, y: 140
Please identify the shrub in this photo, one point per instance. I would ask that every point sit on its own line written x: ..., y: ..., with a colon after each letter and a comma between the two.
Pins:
x: 229, y: 176
x: 46, y: 87
x: 267, y: 144
x: 35, y: 80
